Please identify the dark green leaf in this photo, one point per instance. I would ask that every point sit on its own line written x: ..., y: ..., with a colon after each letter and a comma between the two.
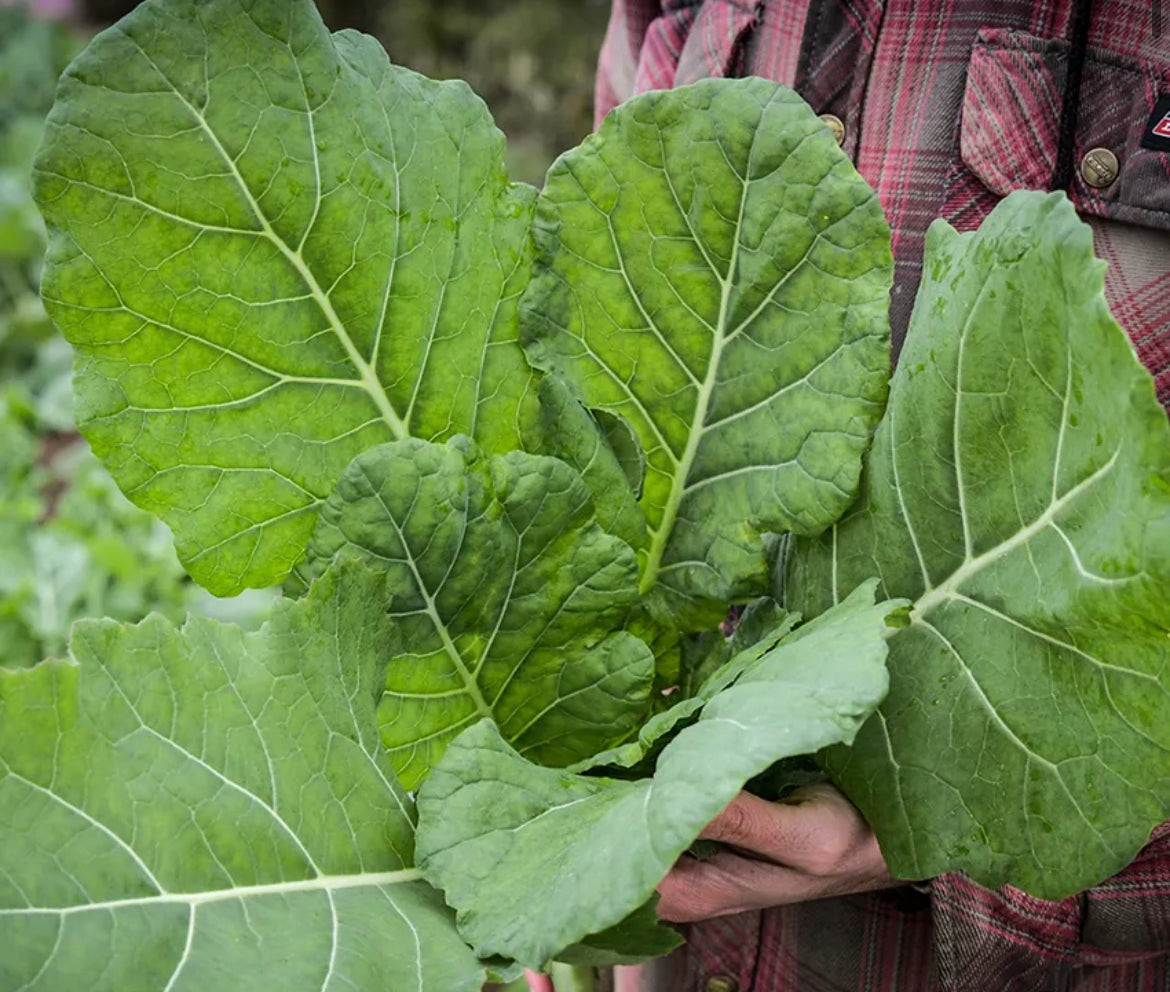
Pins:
x: 509, y: 600
x: 711, y: 268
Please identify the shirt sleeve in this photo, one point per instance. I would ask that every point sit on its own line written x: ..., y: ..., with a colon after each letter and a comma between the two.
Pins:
x: 659, y: 44
x: 618, y: 62
x: 1008, y: 940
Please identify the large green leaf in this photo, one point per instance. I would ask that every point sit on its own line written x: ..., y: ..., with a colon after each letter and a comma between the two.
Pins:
x: 273, y: 250
x: 208, y: 809
x: 711, y: 268
x: 1019, y: 492
x: 516, y: 848
x: 509, y: 600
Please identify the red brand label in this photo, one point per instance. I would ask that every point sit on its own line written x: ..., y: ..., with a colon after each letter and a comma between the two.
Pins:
x: 1156, y: 136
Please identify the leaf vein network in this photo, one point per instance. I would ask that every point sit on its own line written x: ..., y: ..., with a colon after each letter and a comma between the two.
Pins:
x: 368, y: 374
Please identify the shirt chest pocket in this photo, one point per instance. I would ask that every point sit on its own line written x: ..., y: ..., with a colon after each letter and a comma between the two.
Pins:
x: 1009, y: 139
x: 1009, y: 134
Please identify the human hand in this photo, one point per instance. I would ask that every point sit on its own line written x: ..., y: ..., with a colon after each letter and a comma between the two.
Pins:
x: 810, y: 845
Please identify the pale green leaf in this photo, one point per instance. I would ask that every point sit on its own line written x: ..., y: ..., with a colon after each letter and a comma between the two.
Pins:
x: 508, y: 598
x: 711, y: 268
x: 204, y: 809
x: 273, y: 250
x: 1019, y: 492
x: 516, y: 848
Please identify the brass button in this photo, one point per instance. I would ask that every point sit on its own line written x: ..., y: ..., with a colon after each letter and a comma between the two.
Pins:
x: 721, y: 983
x: 1099, y: 167
x: 833, y: 123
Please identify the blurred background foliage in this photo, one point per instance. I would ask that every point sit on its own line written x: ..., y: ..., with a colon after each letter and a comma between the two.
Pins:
x: 533, y: 61
x: 71, y: 545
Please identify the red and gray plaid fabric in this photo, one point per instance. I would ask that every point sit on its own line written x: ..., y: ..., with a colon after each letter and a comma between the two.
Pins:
x: 948, y: 105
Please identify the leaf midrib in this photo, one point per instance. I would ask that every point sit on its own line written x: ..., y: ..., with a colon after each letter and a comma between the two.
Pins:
x: 471, y: 685
x: 320, y: 883
x: 678, y: 484
x: 973, y: 566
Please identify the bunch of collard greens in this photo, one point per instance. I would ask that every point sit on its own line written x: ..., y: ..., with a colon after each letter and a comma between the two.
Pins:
x: 510, y: 453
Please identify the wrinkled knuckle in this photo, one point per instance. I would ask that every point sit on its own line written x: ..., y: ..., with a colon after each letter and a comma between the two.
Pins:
x: 703, y: 908
x: 736, y: 823
x: 689, y: 893
x: 693, y: 902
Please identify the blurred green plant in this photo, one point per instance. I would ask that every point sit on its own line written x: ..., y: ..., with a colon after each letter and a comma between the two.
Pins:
x: 34, y: 363
x: 71, y: 545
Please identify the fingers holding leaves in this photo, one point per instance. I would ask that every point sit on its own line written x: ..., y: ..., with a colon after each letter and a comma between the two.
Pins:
x: 812, y: 845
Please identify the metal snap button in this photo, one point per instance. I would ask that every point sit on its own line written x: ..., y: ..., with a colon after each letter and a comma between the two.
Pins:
x: 835, y: 125
x: 1099, y: 167
x: 721, y: 983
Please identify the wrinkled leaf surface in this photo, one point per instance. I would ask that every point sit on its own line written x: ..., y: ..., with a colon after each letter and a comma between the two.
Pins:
x: 728, y: 663
x: 207, y: 809
x: 508, y: 600
x: 1019, y: 492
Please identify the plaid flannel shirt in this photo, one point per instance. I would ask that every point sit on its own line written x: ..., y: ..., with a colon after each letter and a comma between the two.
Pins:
x: 948, y: 105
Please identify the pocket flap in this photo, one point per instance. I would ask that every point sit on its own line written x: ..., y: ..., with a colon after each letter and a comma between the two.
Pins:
x: 1009, y: 131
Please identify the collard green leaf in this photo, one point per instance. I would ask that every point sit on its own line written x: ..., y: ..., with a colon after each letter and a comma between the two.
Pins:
x: 639, y: 936
x: 665, y: 642
x: 508, y: 599
x: 711, y: 268
x: 1019, y: 492
x: 208, y: 809
x: 516, y: 847
x: 273, y: 250
x: 731, y: 659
